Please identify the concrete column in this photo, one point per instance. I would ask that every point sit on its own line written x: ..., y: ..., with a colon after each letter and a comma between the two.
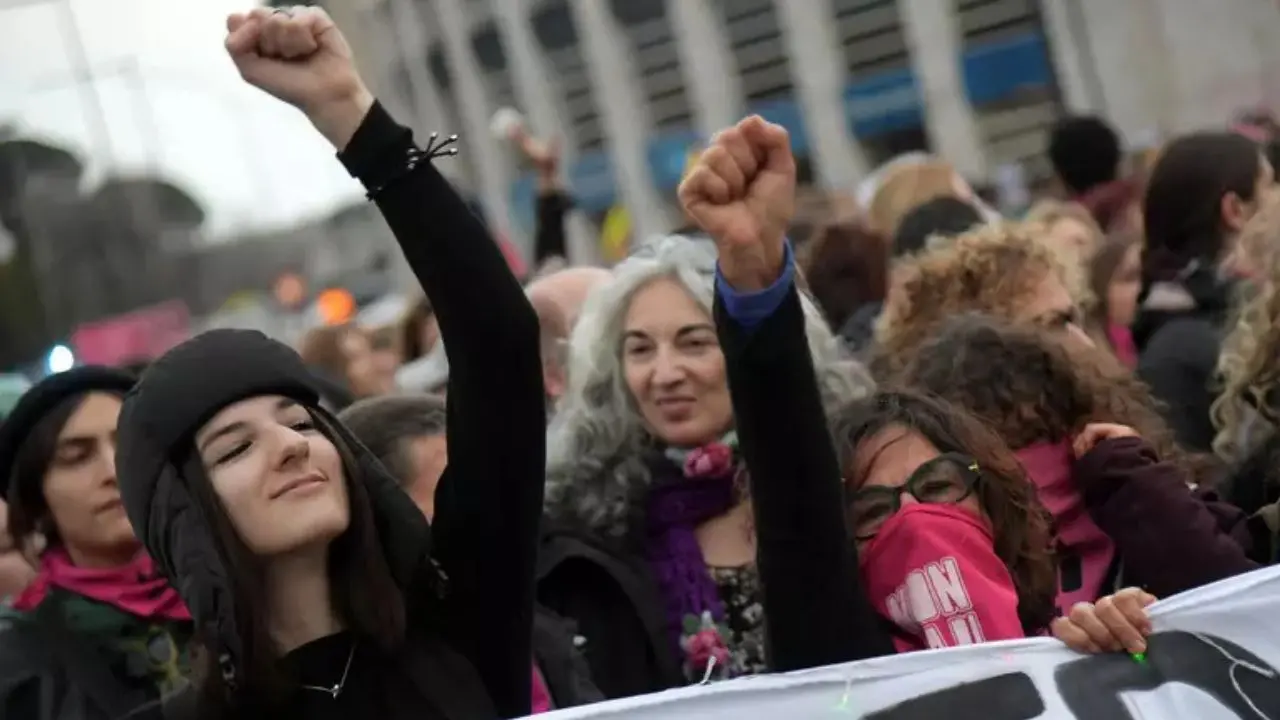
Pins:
x: 817, y: 70
x: 706, y: 61
x: 933, y: 39
x: 1076, y: 70
x: 473, y: 105
x: 531, y: 73
x: 1109, y: 30
x: 625, y: 112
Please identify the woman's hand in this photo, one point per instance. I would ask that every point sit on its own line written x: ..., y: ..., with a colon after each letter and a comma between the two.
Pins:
x: 1095, y: 433
x: 1116, y: 622
x: 299, y: 56
x: 742, y: 192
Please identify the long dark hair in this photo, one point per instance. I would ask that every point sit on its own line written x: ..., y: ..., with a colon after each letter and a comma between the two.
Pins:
x: 1029, y: 387
x: 363, y: 592
x: 1020, y: 524
x: 28, y: 509
x: 1182, y: 210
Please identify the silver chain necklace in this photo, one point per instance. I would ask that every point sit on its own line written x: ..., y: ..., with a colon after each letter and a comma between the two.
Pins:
x: 336, y: 690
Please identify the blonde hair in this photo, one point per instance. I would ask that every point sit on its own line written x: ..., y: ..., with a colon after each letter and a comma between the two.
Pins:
x: 990, y: 269
x: 1249, y: 361
x: 908, y: 187
x: 1049, y: 212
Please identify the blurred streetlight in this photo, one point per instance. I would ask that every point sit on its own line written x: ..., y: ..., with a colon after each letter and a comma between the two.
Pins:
x: 60, y: 359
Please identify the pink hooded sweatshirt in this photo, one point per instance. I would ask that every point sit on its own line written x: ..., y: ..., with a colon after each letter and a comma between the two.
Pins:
x: 1085, y: 552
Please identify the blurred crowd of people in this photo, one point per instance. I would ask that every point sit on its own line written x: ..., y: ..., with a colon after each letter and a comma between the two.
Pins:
x: 781, y: 438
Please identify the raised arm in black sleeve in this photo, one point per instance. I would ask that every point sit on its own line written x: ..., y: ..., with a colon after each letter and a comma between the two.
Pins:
x: 815, y: 608
x: 489, y: 500
x: 549, y: 239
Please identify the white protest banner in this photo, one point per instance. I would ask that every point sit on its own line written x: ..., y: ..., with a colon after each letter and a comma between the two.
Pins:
x: 1213, y: 655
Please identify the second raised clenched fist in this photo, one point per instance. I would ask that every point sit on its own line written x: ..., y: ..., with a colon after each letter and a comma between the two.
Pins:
x: 741, y: 192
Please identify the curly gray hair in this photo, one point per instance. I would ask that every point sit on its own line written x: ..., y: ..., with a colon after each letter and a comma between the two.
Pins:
x: 596, y: 475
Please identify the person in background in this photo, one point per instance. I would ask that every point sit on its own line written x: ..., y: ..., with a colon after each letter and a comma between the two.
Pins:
x: 909, y: 186
x: 419, y: 331
x: 650, y: 547
x: 558, y: 300
x: 940, y: 218
x: 1098, y: 453
x: 344, y: 354
x: 1202, y: 193
x: 1007, y: 271
x: 1068, y: 225
x: 1085, y: 153
x: 386, y: 352
x: 425, y: 365
x: 550, y: 241
x: 846, y: 268
x: 16, y: 571
x: 98, y: 632
x: 406, y: 433
x: 924, y: 487
x: 1246, y: 414
x: 1115, y: 280
x: 943, y: 217
x: 319, y: 589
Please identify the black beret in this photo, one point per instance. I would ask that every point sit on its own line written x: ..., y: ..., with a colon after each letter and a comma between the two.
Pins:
x: 45, y: 396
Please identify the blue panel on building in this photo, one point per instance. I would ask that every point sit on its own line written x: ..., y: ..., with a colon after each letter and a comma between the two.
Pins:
x: 875, y: 106
x: 668, y: 154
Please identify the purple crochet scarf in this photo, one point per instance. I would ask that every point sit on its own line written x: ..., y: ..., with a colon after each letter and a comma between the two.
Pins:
x: 688, y: 489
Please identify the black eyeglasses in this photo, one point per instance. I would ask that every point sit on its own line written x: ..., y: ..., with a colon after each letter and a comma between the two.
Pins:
x: 946, y: 479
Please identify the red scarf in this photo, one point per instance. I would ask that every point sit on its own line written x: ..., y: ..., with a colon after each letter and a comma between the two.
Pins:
x: 135, y: 587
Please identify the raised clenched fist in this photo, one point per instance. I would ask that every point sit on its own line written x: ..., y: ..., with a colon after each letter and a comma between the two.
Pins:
x: 299, y: 56
x: 742, y: 192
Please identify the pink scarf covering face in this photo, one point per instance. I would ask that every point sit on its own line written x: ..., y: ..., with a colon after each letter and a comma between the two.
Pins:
x: 1085, y: 553
x: 933, y: 572
x: 136, y: 588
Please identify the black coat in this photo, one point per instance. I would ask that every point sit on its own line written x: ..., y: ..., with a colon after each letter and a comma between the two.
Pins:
x: 612, y: 604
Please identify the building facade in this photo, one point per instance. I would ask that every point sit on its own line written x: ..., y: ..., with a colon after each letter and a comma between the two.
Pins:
x: 633, y: 86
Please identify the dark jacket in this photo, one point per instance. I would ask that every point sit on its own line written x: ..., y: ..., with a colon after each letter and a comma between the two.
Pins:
x: 106, y: 669
x: 468, y: 577
x: 613, y: 604
x: 1178, y: 355
x: 817, y: 610
x: 1169, y: 537
x: 557, y: 649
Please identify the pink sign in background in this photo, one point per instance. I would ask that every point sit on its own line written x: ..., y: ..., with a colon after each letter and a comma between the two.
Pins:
x: 140, y: 335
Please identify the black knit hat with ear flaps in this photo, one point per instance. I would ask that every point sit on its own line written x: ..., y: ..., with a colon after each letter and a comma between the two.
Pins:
x: 179, y: 393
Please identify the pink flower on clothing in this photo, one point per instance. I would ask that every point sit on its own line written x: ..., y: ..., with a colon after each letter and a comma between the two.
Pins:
x: 711, y: 460
x: 704, y: 642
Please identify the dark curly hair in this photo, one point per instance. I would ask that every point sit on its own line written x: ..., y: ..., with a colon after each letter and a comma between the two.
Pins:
x: 1030, y: 387
x: 1020, y: 524
x: 846, y: 266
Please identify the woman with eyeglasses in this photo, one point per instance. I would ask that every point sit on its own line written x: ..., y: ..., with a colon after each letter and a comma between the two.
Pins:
x: 953, y: 545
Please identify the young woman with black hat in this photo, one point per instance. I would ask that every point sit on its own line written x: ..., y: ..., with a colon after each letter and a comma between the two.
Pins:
x: 317, y: 587
x: 99, y: 632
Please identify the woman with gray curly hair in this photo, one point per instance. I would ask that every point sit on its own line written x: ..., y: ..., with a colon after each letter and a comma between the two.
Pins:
x: 651, y: 550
